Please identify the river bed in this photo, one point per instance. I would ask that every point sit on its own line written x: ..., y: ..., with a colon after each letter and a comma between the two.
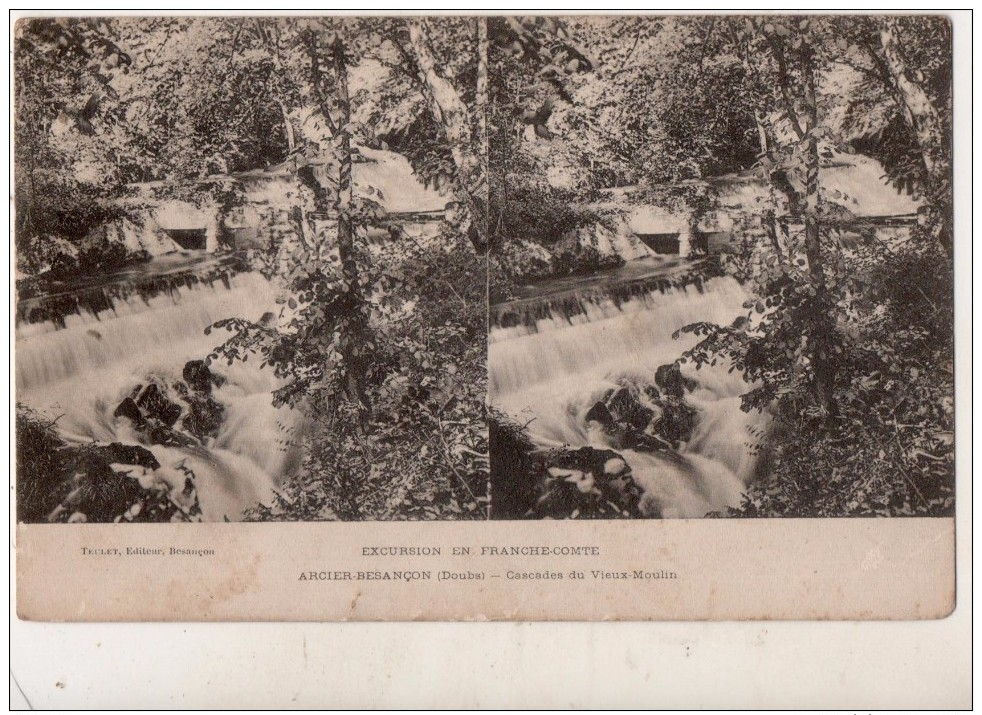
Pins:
x: 79, y: 373
x: 569, y: 342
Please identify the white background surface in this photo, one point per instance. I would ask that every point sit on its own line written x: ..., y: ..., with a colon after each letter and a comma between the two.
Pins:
x: 675, y: 665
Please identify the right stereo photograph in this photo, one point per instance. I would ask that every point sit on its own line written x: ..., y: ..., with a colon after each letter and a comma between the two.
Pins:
x: 721, y: 267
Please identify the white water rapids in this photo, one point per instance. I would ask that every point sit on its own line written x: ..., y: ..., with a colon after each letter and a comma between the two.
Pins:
x: 81, y: 372
x: 554, y: 372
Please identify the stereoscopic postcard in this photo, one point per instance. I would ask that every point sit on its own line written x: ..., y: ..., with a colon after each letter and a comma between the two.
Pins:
x: 485, y: 318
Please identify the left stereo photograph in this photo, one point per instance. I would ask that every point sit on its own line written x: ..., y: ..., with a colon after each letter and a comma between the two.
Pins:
x: 250, y: 269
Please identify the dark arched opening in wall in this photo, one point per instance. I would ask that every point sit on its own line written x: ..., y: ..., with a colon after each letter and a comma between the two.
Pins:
x: 190, y: 239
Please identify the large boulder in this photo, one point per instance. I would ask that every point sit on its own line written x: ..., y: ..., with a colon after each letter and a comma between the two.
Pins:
x: 181, y: 414
x: 199, y: 376
x: 117, y: 453
x: 600, y: 414
x: 169, y: 437
x: 644, y: 418
x: 205, y: 416
x: 129, y: 409
x: 586, y: 483
x: 625, y: 415
x: 154, y: 403
x: 626, y: 406
x: 676, y: 423
x: 670, y: 379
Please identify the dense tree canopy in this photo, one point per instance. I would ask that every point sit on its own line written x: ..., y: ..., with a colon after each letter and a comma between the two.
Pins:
x: 370, y: 354
x: 833, y: 326
x: 529, y: 126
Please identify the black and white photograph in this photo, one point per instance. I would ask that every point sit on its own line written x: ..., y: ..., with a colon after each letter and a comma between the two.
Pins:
x: 253, y: 280
x: 662, y: 273
x: 250, y: 269
x: 431, y: 359
x: 721, y: 268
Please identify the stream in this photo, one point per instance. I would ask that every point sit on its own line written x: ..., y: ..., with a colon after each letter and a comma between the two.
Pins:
x: 563, y: 344
x: 78, y: 369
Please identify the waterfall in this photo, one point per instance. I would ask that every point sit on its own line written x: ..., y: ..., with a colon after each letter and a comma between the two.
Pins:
x: 79, y: 373
x: 551, y: 358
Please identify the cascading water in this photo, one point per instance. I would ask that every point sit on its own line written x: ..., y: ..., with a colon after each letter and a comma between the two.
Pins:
x: 79, y: 373
x: 552, y: 357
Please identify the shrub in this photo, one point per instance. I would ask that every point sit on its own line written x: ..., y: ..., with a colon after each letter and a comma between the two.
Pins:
x: 416, y: 447
x: 889, y: 449
x: 40, y: 476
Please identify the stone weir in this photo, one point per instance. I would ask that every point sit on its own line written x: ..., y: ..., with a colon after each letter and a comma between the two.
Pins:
x: 47, y: 306
x: 593, y: 298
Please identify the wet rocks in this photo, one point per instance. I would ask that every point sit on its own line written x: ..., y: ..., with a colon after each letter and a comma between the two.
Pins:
x: 168, y: 437
x: 154, y: 414
x: 601, y: 414
x: 117, y: 453
x: 587, y: 459
x: 615, y: 466
x: 205, y: 414
x: 129, y: 409
x: 624, y: 415
x: 180, y: 415
x: 644, y: 417
x: 204, y: 417
x: 199, y: 376
x: 670, y: 379
x: 677, y: 422
x: 627, y: 407
x: 153, y: 403
x: 585, y: 483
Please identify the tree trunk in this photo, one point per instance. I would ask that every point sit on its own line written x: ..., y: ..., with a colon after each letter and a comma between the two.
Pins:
x: 761, y: 132
x: 342, y: 152
x: 822, y: 329
x: 923, y: 119
x: 451, y: 113
x: 481, y: 88
x: 287, y: 129
x: 915, y: 103
x: 355, y: 346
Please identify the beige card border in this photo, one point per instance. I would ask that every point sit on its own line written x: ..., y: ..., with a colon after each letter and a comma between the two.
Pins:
x: 901, y: 568
x: 718, y: 665
x: 653, y: 570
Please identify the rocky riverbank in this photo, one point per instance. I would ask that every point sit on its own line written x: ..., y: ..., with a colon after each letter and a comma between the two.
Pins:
x: 97, y: 483
x: 63, y: 482
x: 586, y: 482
